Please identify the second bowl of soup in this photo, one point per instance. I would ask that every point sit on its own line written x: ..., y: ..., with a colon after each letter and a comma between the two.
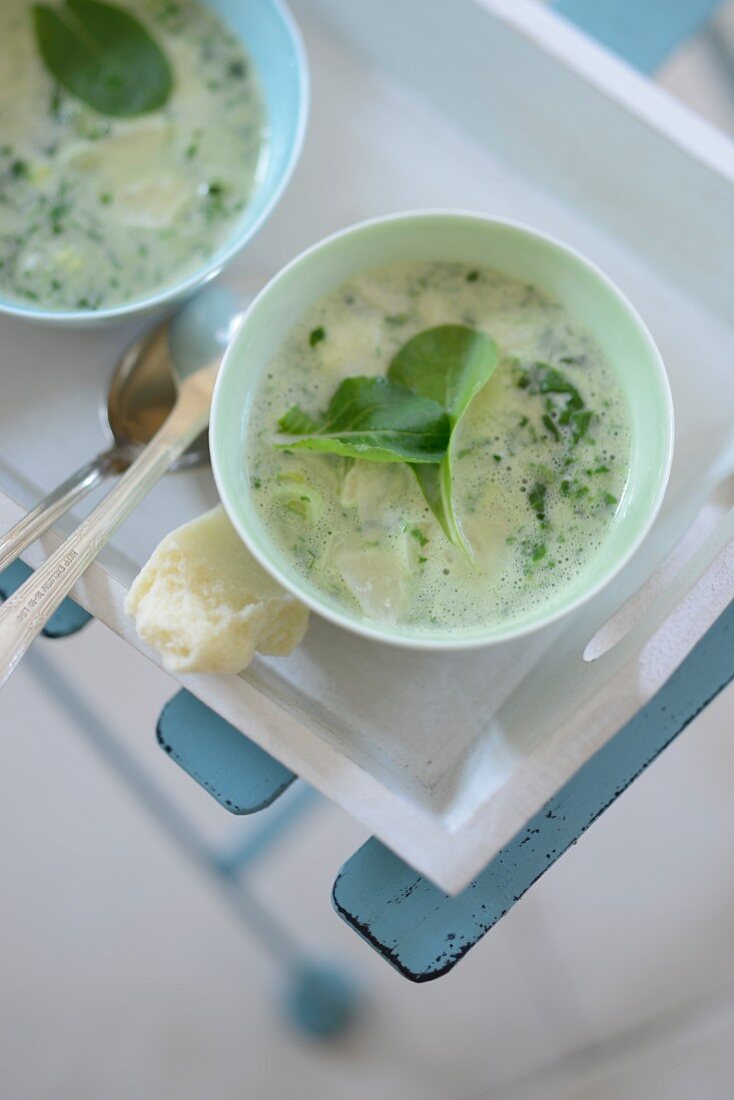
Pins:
x: 111, y: 203
x: 442, y: 430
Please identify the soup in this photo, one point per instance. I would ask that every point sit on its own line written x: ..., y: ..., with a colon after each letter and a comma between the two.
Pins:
x: 538, y: 461
x: 96, y: 211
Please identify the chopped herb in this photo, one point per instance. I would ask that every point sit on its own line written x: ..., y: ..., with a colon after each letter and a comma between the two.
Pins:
x: 550, y: 425
x: 418, y: 535
x: 105, y: 198
x: 305, y: 555
x: 421, y: 559
x: 497, y: 458
x: 237, y: 69
x: 472, y: 276
x: 56, y: 214
x: 565, y: 487
x: 580, y: 424
x: 316, y: 336
x: 19, y: 169
x: 256, y: 482
x: 397, y: 318
x: 536, y: 499
x: 542, y: 378
x: 539, y: 551
x: 609, y: 499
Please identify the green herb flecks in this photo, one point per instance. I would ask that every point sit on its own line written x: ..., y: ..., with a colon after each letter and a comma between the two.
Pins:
x: 566, y: 414
x: 103, y: 56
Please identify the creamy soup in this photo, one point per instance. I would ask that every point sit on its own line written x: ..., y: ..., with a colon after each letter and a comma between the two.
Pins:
x: 96, y: 211
x: 540, y: 459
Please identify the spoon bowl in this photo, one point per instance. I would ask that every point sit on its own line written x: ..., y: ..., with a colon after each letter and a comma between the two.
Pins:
x: 142, y: 394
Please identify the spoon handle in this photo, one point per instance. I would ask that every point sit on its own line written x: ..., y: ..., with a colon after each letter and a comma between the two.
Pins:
x: 26, y: 612
x: 59, y: 501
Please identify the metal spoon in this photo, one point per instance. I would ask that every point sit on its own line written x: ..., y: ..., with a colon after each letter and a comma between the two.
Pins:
x: 141, y: 395
x: 193, y: 344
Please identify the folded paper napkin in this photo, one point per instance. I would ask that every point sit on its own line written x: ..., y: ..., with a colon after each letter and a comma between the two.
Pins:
x: 206, y: 605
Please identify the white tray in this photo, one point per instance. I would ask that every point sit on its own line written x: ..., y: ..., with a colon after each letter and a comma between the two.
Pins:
x: 496, y: 106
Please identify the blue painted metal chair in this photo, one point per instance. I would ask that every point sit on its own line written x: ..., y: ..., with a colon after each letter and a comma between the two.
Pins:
x: 420, y: 930
x: 643, y: 32
x: 424, y: 932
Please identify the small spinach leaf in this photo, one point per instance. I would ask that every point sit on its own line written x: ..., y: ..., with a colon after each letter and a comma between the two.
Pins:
x: 375, y: 419
x: 449, y: 364
x: 103, y: 56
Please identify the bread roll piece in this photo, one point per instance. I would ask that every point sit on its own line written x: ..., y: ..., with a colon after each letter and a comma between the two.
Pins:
x: 206, y: 605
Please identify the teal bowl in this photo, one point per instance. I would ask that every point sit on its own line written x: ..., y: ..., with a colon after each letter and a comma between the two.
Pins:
x: 519, y: 252
x: 268, y: 31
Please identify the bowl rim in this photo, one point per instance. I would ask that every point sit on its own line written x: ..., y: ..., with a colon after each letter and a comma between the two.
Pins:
x: 426, y: 642
x: 216, y: 264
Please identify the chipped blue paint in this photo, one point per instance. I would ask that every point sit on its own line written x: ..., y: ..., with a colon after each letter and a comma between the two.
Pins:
x: 69, y: 618
x: 424, y: 932
x: 241, y: 776
x: 644, y: 32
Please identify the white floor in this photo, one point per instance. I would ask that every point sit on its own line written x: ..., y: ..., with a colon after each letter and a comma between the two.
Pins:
x: 123, y: 976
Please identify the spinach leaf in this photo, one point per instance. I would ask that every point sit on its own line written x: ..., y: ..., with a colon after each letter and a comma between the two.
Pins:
x: 103, y: 56
x: 448, y: 364
x: 375, y: 419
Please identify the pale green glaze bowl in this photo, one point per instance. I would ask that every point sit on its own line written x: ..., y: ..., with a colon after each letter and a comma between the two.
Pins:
x: 469, y: 238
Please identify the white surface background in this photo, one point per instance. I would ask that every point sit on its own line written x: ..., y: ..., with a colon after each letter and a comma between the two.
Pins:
x: 121, y: 975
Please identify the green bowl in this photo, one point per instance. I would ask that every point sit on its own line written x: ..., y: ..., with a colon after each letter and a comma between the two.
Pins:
x: 519, y: 252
